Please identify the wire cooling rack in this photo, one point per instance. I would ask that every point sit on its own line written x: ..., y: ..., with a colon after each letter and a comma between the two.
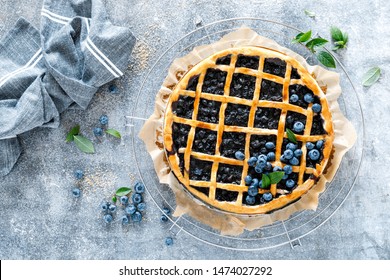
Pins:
x: 288, y: 232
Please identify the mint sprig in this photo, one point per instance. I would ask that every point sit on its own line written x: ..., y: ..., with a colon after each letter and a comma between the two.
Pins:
x: 271, y: 178
x: 84, y: 144
x: 302, y: 37
x: 340, y: 39
x: 74, y: 131
x: 291, y: 136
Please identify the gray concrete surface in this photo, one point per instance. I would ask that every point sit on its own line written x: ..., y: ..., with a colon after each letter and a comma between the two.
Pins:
x: 40, y: 220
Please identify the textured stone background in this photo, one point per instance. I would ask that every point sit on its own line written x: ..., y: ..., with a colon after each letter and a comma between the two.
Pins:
x: 40, y: 220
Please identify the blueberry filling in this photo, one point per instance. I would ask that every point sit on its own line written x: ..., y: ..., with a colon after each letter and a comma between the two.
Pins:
x: 237, y: 115
x: 200, y: 170
x: 255, y: 200
x: 267, y: 118
x: 243, y: 86
x: 251, y: 62
x: 275, y: 66
x: 230, y: 174
x: 258, y: 144
x: 314, y: 155
x: 300, y: 91
x: 192, y: 83
x: 204, y: 190
x: 180, y: 135
x: 231, y: 143
x: 181, y: 163
x: 295, y: 74
x: 225, y: 60
x: 271, y: 91
x: 317, y: 126
x: 214, y: 81
x: 296, y: 152
x: 208, y: 111
x: 205, y: 141
x: 286, y: 183
x: 183, y: 107
x: 292, y: 118
x: 225, y: 195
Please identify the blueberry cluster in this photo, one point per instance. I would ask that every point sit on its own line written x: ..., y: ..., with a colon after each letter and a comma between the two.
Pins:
x: 214, y: 81
x: 295, y: 74
x: 290, y: 178
x: 79, y: 175
x: 183, y: 107
x: 192, y: 83
x: 200, y: 170
x: 165, y: 214
x: 232, y: 142
x: 243, y: 86
x: 236, y: 114
x: 258, y: 144
x: 291, y: 153
x: 225, y: 60
x: 271, y: 91
x: 275, y: 66
x: 317, y: 127
x: 208, y: 111
x: 103, y: 121
x: 302, y: 96
x: 296, y: 122
x: 314, y: 152
x: 180, y: 135
x: 205, y: 141
x: 267, y: 118
x: 247, y: 61
x: 230, y: 174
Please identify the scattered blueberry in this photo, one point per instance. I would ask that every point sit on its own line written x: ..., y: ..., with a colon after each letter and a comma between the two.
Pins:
x: 308, y: 97
x: 258, y: 169
x: 294, y: 161
x: 104, y: 206
x: 270, y: 145
x: 125, y: 220
x: 319, y: 144
x: 309, y: 145
x: 113, y: 88
x: 136, y: 217
x: 267, y: 196
x: 268, y: 167
x: 164, y: 218
x: 124, y: 200
x: 248, y: 179
x: 314, y: 154
x: 112, y: 208
x: 277, y: 168
x: 253, y: 191
x: 130, y: 209
x: 139, y: 187
x: 291, y: 146
x: 79, y: 174
x: 294, y: 98
x: 76, y: 192
x: 252, y: 161
x: 298, y: 153
x: 168, y: 241
x: 288, y: 154
x: 316, y: 108
x: 287, y: 169
x: 98, y: 131
x: 103, y: 119
x: 271, y: 156
x: 298, y: 127
x: 255, y: 182
x: 107, y: 218
x: 290, y: 183
x: 141, y: 206
x: 167, y: 211
x: 239, y: 155
x: 250, y: 200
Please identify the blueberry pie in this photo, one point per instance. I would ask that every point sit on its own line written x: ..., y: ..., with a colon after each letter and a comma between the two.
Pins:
x: 241, y: 116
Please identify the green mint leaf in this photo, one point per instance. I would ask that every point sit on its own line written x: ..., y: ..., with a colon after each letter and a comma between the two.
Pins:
x: 316, y: 42
x: 326, y: 59
x: 302, y: 37
x: 339, y: 43
x: 310, y: 13
x: 123, y: 191
x: 113, y: 132
x: 74, y: 131
x: 291, y: 136
x: 84, y: 144
x: 336, y: 34
x: 114, y: 199
x: 265, y: 181
x: 371, y: 76
x: 276, y: 176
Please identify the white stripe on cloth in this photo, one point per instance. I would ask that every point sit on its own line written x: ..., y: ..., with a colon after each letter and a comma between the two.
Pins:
x: 52, y: 18
x: 56, y: 16
x: 30, y: 64
x: 87, y: 24
x: 101, y: 60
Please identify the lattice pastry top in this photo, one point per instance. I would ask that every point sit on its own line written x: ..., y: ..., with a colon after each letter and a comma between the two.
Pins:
x: 226, y: 125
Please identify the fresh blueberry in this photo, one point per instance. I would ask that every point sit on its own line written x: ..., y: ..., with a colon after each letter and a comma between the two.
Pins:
x: 316, y: 108
x: 139, y: 187
x: 271, y: 156
x: 291, y: 146
x: 79, y: 174
x: 255, y: 182
x: 308, y: 97
x: 319, y: 144
x: 76, y: 192
x: 166, y: 210
x: 253, y: 191
x: 309, y: 145
x: 169, y: 241
x: 103, y: 119
x: 268, y: 167
x: 252, y: 161
x: 298, y: 153
x: 294, y: 161
x: 261, y: 163
x: 130, y: 209
x: 113, y: 88
x: 283, y: 158
x: 104, y: 206
x: 288, y: 154
x: 267, y: 196
x: 290, y: 183
x: 124, y: 200
x: 294, y: 98
x: 248, y: 180
x: 298, y: 127
x: 285, y: 176
x: 270, y: 145
x: 277, y: 168
x: 239, y: 155
x: 314, y: 154
x: 107, y: 218
x: 98, y: 131
x: 136, y: 217
x: 258, y: 169
x: 262, y: 158
x: 125, y: 220
x: 112, y: 208
x: 141, y: 206
x: 163, y: 218
x: 250, y: 200
x: 287, y: 169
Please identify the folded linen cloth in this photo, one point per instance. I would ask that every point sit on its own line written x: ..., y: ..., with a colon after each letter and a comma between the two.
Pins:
x: 42, y: 73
